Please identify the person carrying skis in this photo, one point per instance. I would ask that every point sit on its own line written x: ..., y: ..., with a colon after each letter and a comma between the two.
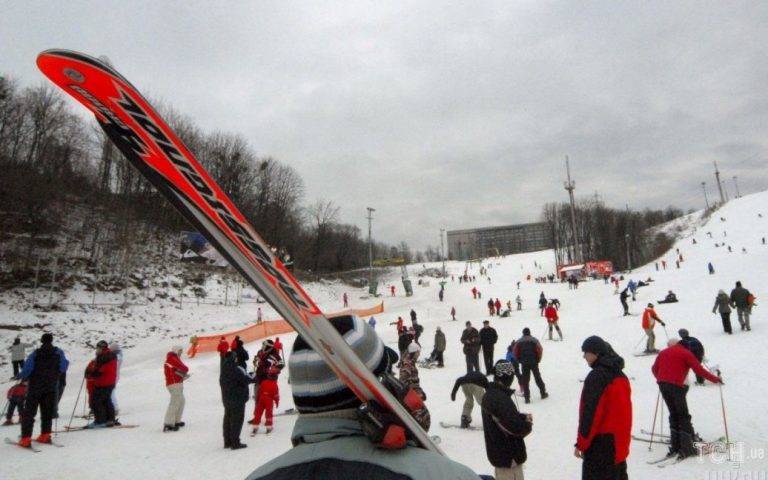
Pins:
x: 528, y: 352
x: 552, y: 320
x: 473, y: 387
x: 623, y: 299
x: 470, y: 338
x: 742, y: 300
x: 268, y: 396
x: 649, y: 322
x: 103, y: 372
x: 671, y: 369
x: 693, y: 345
x: 504, y: 427
x: 332, y: 437
x: 41, y: 370
x: 605, y: 414
x: 488, y: 338
x: 723, y: 306
x: 175, y: 374
x: 542, y: 303
x: 15, y: 398
x: 18, y: 354
x: 223, y: 347
x: 234, y: 381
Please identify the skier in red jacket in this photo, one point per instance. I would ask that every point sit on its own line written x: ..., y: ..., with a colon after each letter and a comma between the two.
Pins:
x: 649, y: 321
x: 552, y: 318
x: 175, y: 374
x: 268, y: 396
x: 605, y: 414
x: 103, y: 373
x: 671, y: 370
x: 15, y: 398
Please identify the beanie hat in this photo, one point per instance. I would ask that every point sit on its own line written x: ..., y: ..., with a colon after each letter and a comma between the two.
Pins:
x: 504, y: 372
x: 46, y: 338
x: 102, y: 344
x: 595, y: 344
x: 526, y: 331
x: 267, y: 344
x: 177, y: 349
x: 683, y: 333
x: 316, y: 388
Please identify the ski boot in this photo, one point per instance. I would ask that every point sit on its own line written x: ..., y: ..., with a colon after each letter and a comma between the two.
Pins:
x: 170, y: 428
x: 179, y: 424
x: 44, y: 438
x: 25, y: 442
x: 544, y: 395
x: 7, y: 422
x: 465, y: 421
x: 269, y: 429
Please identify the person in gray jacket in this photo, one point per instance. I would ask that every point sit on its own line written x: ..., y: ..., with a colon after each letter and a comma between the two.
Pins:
x: 723, y: 307
x: 18, y: 354
x: 740, y: 300
x: 328, y: 440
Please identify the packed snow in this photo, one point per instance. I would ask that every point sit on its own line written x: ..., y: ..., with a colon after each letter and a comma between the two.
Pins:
x: 196, y: 451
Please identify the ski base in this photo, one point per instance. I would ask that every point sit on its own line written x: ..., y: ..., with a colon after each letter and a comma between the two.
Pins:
x: 16, y: 444
x: 87, y: 427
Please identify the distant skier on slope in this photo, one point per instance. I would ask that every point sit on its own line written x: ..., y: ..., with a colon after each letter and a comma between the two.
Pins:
x: 723, y: 306
x: 552, y: 320
x: 623, y: 299
x: 542, y: 303
x: 742, y: 300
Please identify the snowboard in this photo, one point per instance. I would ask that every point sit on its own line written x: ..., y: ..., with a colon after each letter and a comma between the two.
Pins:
x: 454, y: 425
x: 147, y: 141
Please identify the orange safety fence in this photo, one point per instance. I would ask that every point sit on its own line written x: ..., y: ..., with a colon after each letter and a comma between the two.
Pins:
x: 265, y: 329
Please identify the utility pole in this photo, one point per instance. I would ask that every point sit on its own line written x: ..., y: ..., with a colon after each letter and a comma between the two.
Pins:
x: 570, y: 186
x: 719, y: 185
x: 706, y: 200
x: 442, y: 249
x: 736, y: 184
x: 371, y: 289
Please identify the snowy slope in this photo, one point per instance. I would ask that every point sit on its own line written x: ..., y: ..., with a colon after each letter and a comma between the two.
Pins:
x: 196, y: 451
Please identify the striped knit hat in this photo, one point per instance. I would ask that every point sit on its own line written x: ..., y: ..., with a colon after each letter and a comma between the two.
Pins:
x: 315, y: 387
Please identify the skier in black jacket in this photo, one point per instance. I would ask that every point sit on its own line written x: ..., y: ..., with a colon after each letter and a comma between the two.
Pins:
x: 488, y: 338
x: 693, y: 345
x: 504, y: 427
x: 234, y: 382
x: 623, y: 298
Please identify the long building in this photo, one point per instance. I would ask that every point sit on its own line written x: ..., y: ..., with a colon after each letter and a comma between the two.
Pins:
x: 489, y: 241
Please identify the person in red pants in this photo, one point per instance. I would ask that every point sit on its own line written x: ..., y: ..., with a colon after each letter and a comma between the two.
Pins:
x: 268, y: 396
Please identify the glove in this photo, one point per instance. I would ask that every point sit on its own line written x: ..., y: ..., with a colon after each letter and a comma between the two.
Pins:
x: 453, y: 397
x: 662, y: 323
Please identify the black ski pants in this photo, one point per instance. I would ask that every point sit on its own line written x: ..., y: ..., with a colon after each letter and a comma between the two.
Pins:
x: 525, y: 380
x: 626, y: 307
x: 234, y: 416
x: 594, y: 469
x: 680, y: 425
x: 439, y: 358
x: 103, y: 410
x: 726, y: 317
x: 473, y: 362
x: 46, y: 401
x: 17, y: 366
x: 488, y: 358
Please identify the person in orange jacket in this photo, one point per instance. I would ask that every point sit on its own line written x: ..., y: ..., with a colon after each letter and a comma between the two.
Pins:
x: 268, y: 396
x: 552, y: 318
x: 649, y: 322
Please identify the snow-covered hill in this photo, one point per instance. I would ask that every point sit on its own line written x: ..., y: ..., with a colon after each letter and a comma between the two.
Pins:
x: 196, y: 451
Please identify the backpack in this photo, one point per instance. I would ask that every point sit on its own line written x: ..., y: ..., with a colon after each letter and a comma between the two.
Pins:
x: 750, y: 300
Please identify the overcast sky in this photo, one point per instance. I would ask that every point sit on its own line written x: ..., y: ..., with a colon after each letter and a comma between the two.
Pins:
x: 446, y: 114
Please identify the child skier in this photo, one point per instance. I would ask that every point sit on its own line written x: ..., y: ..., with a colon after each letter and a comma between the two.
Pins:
x: 15, y: 397
x: 268, y: 396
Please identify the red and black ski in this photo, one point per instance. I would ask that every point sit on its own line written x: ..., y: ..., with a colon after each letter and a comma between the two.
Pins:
x: 155, y: 150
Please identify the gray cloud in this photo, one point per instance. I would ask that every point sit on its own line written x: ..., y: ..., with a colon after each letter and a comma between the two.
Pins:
x: 446, y: 114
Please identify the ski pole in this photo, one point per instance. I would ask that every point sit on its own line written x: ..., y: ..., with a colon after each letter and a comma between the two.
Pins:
x: 77, y: 400
x: 665, y: 331
x: 725, y: 421
x: 653, y: 427
x: 642, y: 337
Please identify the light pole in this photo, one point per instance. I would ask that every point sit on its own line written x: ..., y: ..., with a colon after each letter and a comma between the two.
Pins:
x: 371, y: 289
x: 442, y: 249
x: 629, y: 262
x: 706, y: 200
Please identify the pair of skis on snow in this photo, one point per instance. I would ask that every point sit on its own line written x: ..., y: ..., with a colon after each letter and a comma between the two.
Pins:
x: 703, y: 448
x: 147, y: 141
